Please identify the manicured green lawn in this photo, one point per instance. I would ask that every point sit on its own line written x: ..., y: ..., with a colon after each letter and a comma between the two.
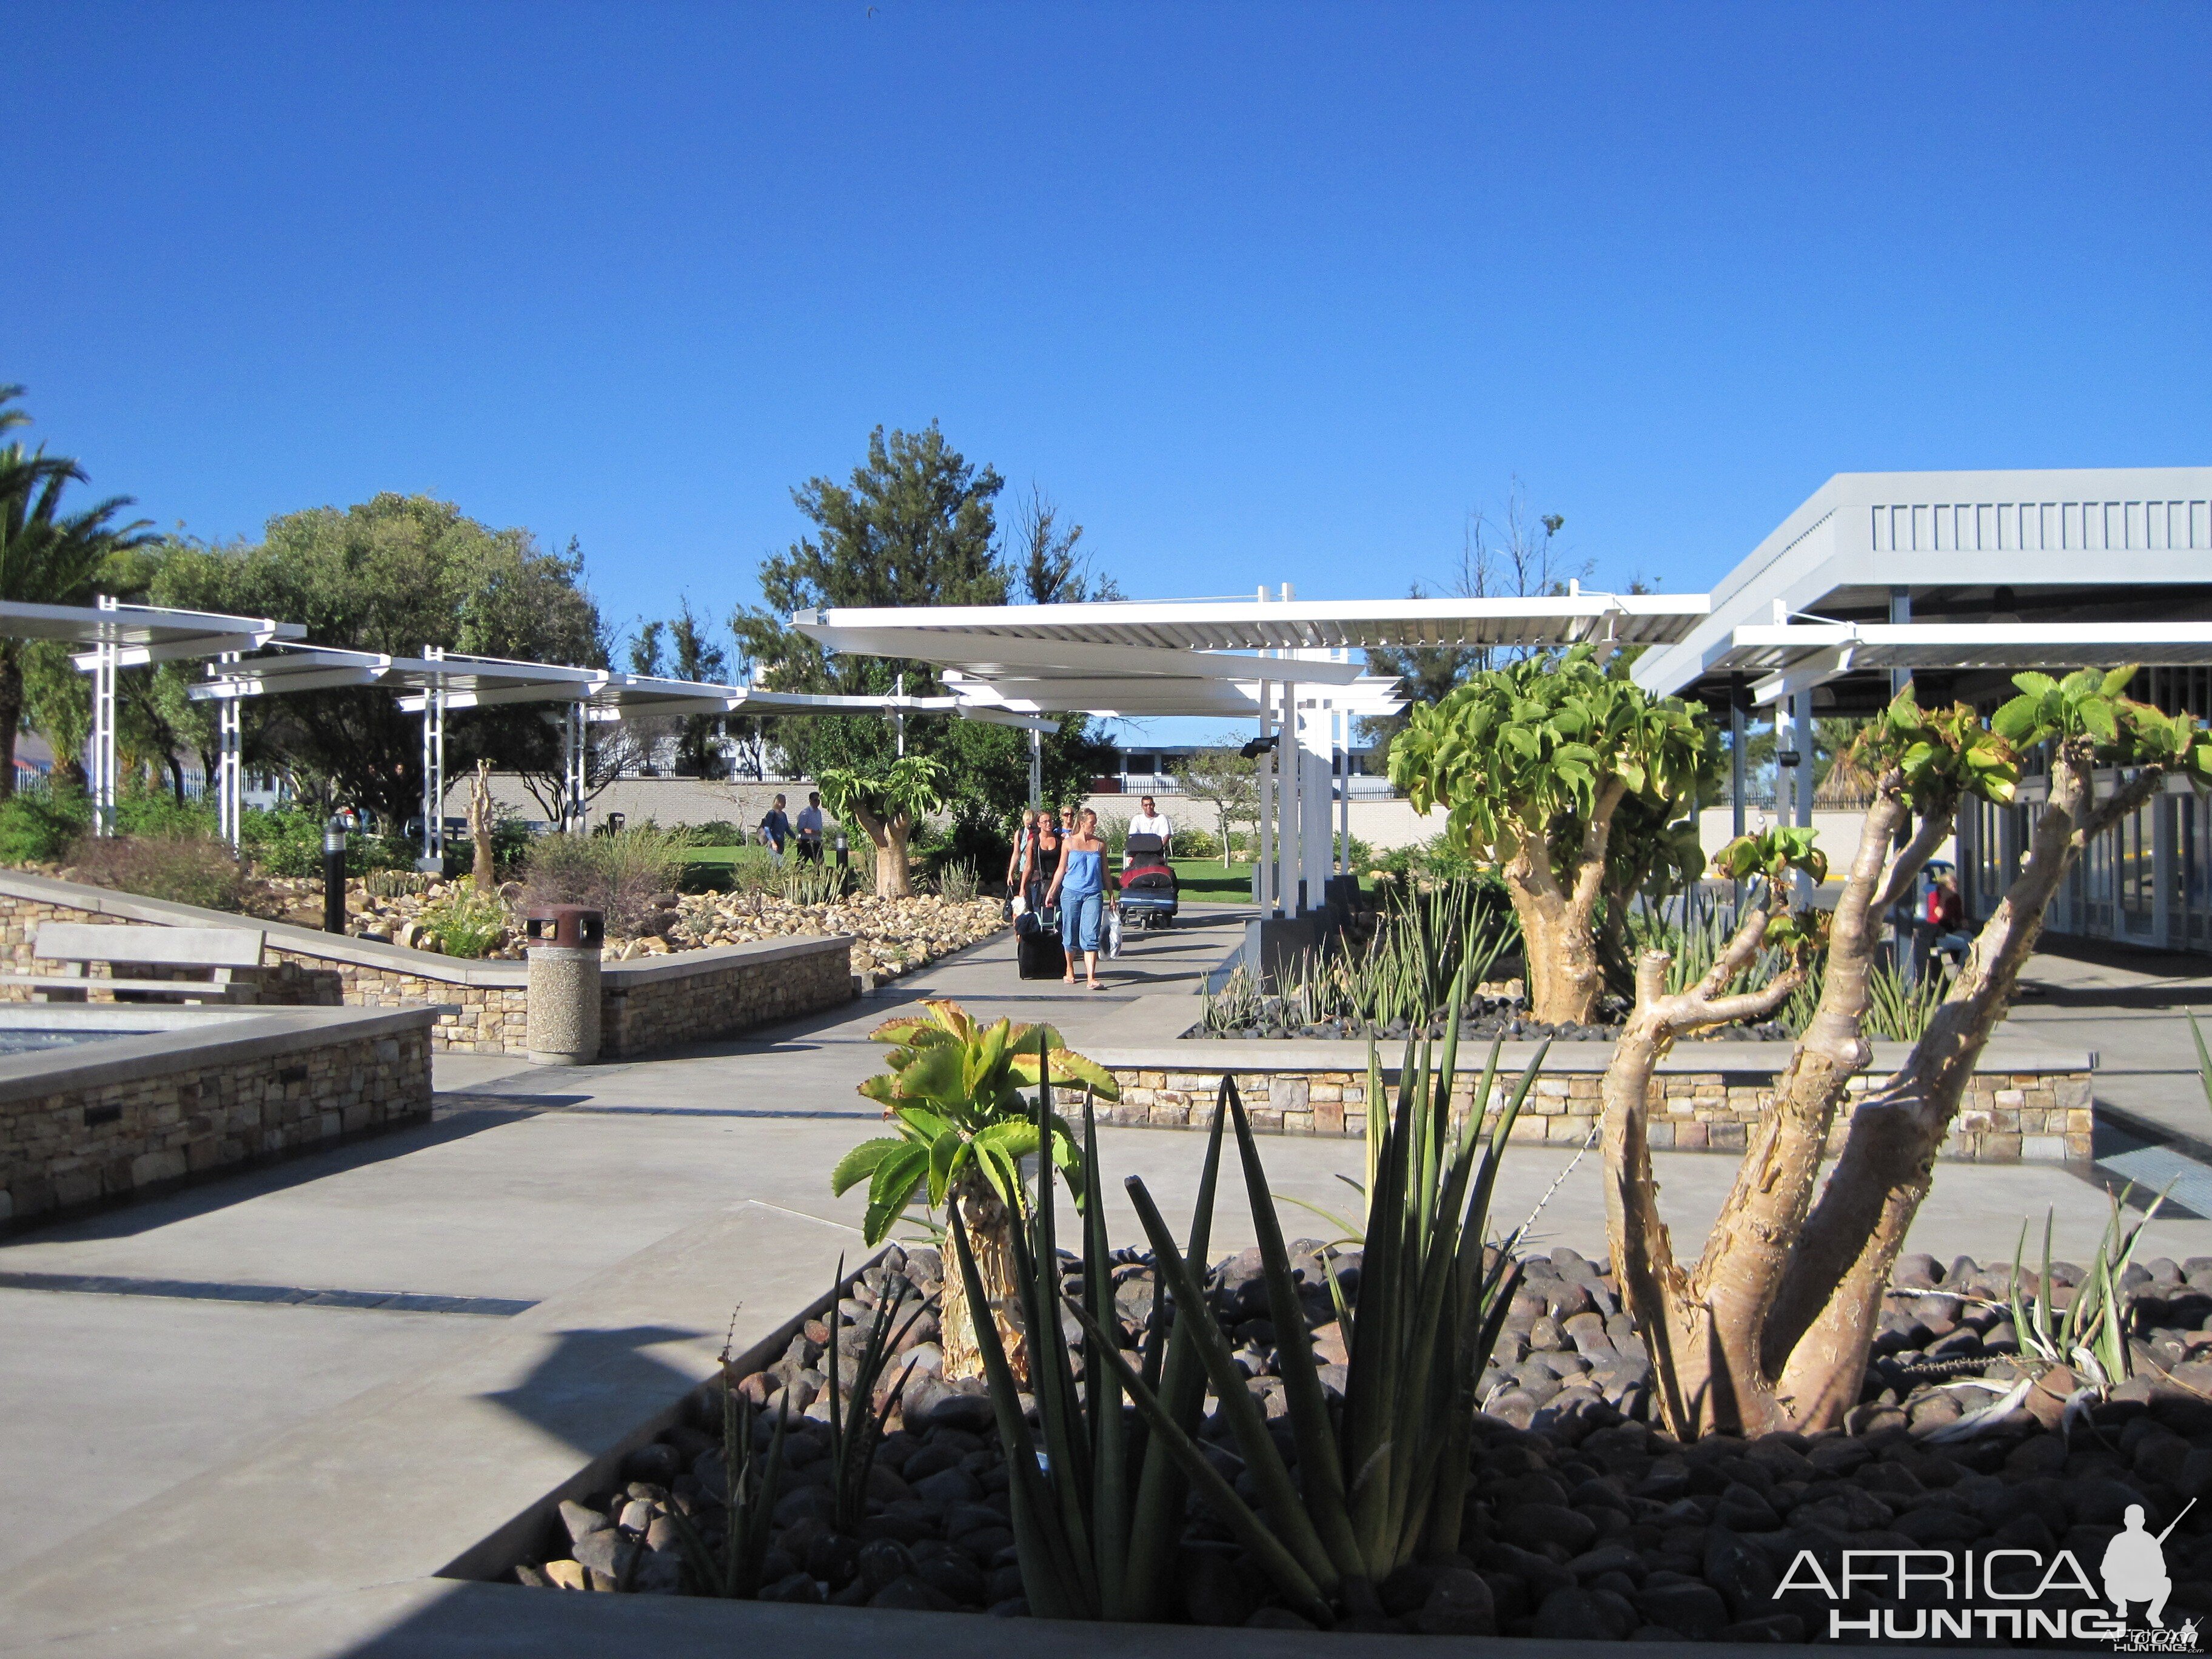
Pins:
x: 1205, y: 879
x: 726, y: 854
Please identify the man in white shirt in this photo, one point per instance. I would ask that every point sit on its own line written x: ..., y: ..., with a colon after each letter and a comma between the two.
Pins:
x: 810, y: 830
x: 1152, y: 821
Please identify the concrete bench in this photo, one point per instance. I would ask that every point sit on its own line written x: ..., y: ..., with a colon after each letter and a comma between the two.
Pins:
x: 76, y: 945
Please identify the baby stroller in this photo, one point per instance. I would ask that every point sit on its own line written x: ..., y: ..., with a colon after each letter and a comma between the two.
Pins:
x: 1148, y: 883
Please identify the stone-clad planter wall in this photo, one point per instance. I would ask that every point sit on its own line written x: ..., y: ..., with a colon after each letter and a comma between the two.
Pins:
x: 694, y: 996
x: 81, y: 1125
x: 664, y: 1001
x: 2008, y: 1117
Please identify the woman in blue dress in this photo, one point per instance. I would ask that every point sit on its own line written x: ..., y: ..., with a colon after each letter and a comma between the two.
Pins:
x: 1079, y: 886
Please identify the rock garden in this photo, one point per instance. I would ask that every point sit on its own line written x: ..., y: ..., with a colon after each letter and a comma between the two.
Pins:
x: 1584, y: 1519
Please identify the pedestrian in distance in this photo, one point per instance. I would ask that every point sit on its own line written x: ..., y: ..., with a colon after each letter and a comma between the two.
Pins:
x: 1080, y: 886
x: 775, y: 830
x: 1021, y: 862
x: 810, y: 830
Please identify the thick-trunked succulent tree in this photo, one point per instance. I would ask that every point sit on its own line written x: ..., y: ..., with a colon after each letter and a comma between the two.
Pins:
x: 1771, y: 1327
x: 1548, y: 770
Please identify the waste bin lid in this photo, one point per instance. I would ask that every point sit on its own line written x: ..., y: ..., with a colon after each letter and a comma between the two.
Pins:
x: 572, y: 926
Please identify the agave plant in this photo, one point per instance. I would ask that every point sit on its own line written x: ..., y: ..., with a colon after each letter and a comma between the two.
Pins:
x: 1376, y: 1485
x: 953, y: 1095
x: 2089, y: 1334
x: 731, y: 1567
x: 856, y: 1419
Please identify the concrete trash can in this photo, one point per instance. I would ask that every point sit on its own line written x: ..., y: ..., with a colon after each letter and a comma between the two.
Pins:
x: 564, y: 945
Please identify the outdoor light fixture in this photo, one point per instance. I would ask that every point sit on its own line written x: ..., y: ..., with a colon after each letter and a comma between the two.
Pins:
x: 1260, y: 746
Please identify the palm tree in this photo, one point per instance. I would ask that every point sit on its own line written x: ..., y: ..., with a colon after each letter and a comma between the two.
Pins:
x: 46, y: 557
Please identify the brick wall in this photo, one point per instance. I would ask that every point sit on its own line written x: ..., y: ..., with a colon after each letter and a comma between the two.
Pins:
x: 2005, y: 1117
x: 76, y: 1145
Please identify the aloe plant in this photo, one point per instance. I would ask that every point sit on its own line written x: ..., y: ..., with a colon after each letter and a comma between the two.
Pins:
x: 1382, y: 1483
x: 2089, y: 1334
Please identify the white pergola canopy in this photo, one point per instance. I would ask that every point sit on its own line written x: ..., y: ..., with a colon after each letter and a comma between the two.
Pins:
x: 1285, y: 663
x: 130, y: 636
x: 439, y: 683
x: 1218, y: 657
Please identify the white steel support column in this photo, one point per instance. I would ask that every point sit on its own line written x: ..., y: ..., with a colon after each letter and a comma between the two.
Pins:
x: 1036, y: 768
x: 103, y: 731
x: 1288, y: 799
x: 433, y: 770
x: 575, y: 785
x: 230, y: 780
x: 1315, y: 805
x: 1265, y: 853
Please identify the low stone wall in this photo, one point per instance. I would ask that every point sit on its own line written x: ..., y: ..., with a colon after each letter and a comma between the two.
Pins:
x: 698, y: 995
x: 693, y: 996
x: 2007, y: 1117
x: 81, y: 1125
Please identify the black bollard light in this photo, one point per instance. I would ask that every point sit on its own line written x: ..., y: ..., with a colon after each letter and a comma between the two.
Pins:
x: 844, y: 852
x: 334, y: 834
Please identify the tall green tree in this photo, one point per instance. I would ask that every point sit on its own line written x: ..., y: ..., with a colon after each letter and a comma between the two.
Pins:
x: 47, y: 556
x: 683, y: 648
x: 395, y: 574
x: 915, y: 525
x: 1227, y: 781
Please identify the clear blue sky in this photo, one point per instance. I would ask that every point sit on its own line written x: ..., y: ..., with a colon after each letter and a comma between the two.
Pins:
x: 1258, y: 292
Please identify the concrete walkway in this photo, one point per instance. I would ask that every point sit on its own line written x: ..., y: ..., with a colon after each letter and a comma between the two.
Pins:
x: 148, y: 1346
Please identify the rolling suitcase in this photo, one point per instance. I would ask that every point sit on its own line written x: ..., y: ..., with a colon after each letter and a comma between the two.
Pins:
x: 1037, y: 952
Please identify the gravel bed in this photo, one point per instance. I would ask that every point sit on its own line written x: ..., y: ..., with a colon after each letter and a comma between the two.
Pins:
x: 1585, y: 1522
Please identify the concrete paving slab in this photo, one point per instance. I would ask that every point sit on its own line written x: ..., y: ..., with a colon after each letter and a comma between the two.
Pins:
x: 107, y: 1400
x: 403, y: 1481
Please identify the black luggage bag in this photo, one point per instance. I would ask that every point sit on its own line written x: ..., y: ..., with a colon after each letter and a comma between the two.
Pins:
x: 1038, y: 953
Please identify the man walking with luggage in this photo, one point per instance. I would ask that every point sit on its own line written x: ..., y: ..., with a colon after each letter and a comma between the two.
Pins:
x: 1153, y: 821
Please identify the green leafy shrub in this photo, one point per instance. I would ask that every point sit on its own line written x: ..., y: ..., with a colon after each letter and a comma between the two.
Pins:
x: 157, y: 812
x: 1197, y: 844
x: 618, y: 875
x: 40, y: 826
x: 183, y: 869
x: 715, y: 832
x: 284, y: 840
x: 467, y: 923
x: 958, y: 882
x: 287, y: 840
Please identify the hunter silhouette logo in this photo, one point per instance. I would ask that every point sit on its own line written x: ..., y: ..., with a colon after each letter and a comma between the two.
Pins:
x: 2135, y: 1568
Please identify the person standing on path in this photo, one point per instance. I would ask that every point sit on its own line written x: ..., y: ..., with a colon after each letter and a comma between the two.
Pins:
x: 1021, y: 862
x: 1080, y: 884
x: 1153, y: 821
x: 1044, y: 865
x: 810, y: 830
x: 775, y: 829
